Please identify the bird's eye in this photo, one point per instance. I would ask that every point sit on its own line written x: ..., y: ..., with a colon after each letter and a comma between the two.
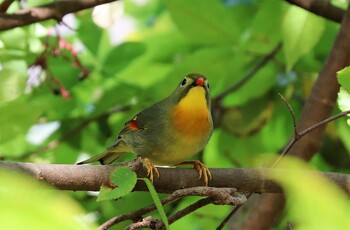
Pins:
x: 183, y: 82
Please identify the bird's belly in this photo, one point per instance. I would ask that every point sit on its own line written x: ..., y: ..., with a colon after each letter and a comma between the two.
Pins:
x: 179, y: 150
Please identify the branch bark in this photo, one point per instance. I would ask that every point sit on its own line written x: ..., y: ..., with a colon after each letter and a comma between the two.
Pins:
x: 55, y: 10
x: 91, y: 177
x: 318, y: 107
x: 321, y: 8
x: 58, y: 9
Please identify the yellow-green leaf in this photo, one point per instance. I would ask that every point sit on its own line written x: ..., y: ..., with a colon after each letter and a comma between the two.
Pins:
x: 301, y: 30
x: 313, y: 202
x: 26, y: 204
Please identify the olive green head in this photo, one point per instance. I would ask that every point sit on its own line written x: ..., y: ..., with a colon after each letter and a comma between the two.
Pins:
x: 190, y: 81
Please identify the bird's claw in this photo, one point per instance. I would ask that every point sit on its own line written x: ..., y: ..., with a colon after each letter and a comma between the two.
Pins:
x: 151, y: 169
x: 203, y: 171
x: 201, y: 168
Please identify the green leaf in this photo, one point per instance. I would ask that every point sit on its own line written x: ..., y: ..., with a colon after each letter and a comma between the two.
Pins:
x: 254, y: 88
x: 89, y: 33
x: 11, y: 85
x: 301, y: 30
x: 16, y: 118
x: 14, y: 38
x: 16, y: 147
x: 344, y: 78
x: 23, y: 198
x: 344, y: 101
x: 121, y: 56
x: 124, y: 178
x: 156, y: 201
x: 313, y: 202
x: 214, y: 26
x: 259, y: 38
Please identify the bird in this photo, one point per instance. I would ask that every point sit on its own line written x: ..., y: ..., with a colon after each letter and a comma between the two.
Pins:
x: 169, y: 132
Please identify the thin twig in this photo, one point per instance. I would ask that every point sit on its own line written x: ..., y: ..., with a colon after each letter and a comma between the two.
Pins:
x: 225, y: 196
x: 246, y: 78
x: 292, y: 114
x: 296, y: 137
x: 147, y: 222
x: 219, y: 195
x: 73, y: 131
x: 229, y: 216
x: 315, y: 126
x: 189, y: 209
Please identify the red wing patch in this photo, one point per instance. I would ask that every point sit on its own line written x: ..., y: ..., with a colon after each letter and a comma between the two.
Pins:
x: 133, y: 124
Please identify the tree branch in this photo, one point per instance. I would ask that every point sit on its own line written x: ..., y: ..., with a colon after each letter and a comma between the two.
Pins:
x: 55, y: 10
x: 318, y: 107
x: 5, y: 5
x: 215, y: 195
x: 189, y: 209
x: 74, y: 177
x: 58, y: 9
x: 321, y: 8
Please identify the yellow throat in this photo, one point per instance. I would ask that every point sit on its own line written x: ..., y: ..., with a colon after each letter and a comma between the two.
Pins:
x: 191, y: 116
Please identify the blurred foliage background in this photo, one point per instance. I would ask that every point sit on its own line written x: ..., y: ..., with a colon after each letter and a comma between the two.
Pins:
x: 66, y: 90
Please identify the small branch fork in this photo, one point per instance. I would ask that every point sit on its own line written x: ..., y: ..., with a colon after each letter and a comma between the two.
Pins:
x: 218, y: 196
x: 297, y: 136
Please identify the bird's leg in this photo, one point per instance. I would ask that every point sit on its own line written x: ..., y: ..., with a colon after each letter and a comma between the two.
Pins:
x: 201, y: 168
x: 151, y: 169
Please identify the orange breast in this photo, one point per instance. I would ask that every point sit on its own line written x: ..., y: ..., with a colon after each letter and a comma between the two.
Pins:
x: 191, y: 117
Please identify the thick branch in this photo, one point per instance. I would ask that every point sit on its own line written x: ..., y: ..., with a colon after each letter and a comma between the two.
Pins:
x: 55, y: 10
x: 321, y: 8
x: 91, y: 177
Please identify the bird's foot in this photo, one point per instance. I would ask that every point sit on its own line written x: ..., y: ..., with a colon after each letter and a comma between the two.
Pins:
x: 151, y: 169
x: 201, y: 168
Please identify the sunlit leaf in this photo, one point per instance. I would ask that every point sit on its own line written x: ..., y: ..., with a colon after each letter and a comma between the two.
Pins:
x: 344, y: 78
x: 259, y: 39
x: 215, y: 26
x: 344, y: 100
x: 39, y: 207
x: 11, y: 85
x: 313, y: 202
x: 301, y: 30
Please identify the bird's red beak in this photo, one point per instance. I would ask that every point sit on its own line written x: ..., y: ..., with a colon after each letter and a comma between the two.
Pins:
x: 200, y: 81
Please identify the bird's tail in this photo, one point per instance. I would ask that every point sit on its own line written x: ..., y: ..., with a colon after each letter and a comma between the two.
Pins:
x: 110, y: 155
